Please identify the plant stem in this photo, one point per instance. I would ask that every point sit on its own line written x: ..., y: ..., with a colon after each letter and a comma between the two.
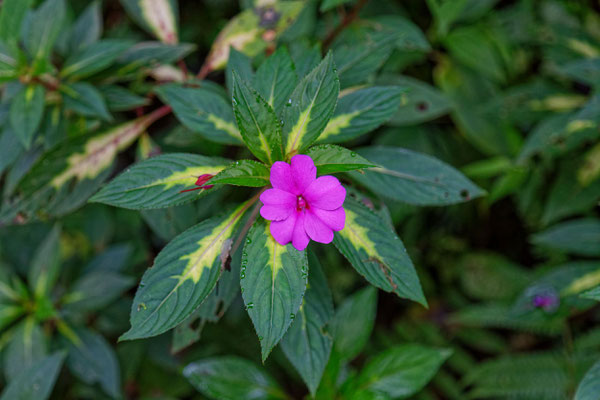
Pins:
x: 348, y: 19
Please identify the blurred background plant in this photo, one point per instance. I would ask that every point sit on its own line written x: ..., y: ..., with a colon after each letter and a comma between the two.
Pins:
x: 506, y: 91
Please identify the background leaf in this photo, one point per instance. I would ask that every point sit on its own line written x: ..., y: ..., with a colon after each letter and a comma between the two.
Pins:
x: 414, y: 178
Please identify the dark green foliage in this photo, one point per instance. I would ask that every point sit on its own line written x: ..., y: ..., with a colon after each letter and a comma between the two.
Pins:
x: 136, y: 142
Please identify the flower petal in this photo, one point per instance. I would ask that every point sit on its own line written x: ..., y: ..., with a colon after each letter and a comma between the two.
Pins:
x: 278, y: 197
x: 316, y: 229
x: 326, y: 192
x: 276, y: 212
x: 282, y: 231
x: 303, y: 171
x: 335, y: 219
x: 281, y: 177
x: 299, y: 237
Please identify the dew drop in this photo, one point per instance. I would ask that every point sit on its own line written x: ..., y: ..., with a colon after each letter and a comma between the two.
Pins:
x: 281, y: 122
x: 292, y: 315
x: 260, y: 338
x: 353, y: 154
x: 289, y: 102
x: 248, y: 240
x: 234, y: 101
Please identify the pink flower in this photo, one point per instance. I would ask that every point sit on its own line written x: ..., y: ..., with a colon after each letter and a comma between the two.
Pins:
x: 301, y: 206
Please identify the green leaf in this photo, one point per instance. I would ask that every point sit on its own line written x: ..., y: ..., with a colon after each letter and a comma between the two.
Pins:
x: 580, y: 236
x: 245, y: 31
x: 66, y: 176
x: 257, y: 122
x: 152, y: 53
x: 353, y: 323
x: 120, y: 99
x: 421, y: 102
x: 312, y: 104
x: 361, y: 56
x: 96, y: 290
x: 409, y: 37
x: 158, y: 17
x: 10, y: 313
x: 45, y: 266
x: 307, y: 344
x: 93, y: 360
x: 158, y: 181
x: 87, y: 29
x: 474, y: 47
x: 26, y: 112
x: 593, y: 294
x: 8, y: 64
x: 244, y: 173
x: 10, y: 148
x: 276, y: 79
x: 589, y: 387
x: 26, y: 348
x: 376, y: 252
x: 232, y: 378
x: 567, y: 196
x: 240, y: 63
x: 93, y: 58
x: 45, y: 25
x: 362, y: 110
x: 400, y: 372
x: 12, y: 14
x: 327, y: 5
x: 183, y: 275
x: 203, y: 112
x: 414, y: 178
x: 35, y: 382
x: 273, y: 281
x: 330, y: 159
x: 84, y: 99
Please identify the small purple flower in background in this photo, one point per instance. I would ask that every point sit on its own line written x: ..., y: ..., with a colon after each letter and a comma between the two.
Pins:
x: 547, y: 300
x: 301, y: 206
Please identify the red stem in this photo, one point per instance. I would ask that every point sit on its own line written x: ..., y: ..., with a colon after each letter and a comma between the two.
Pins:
x: 348, y: 18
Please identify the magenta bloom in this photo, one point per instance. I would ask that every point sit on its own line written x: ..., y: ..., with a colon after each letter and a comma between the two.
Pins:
x: 301, y: 206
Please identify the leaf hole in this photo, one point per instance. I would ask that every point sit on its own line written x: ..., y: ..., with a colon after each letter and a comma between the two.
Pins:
x: 422, y: 106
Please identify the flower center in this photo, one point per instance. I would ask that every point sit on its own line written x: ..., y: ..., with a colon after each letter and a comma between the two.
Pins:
x: 301, y: 204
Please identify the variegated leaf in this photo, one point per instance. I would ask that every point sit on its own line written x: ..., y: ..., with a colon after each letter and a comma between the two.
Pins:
x: 257, y: 121
x: 310, y: 106
x: 273, y: 281
x: 183, y: 275
x: 65, y: 177
x: 158, y: 181
x: 246, y: 31
x: 377, y: 253
x: 276, y: 78
x: 159, y: 17
x: 203, y: 112
x: 361, y: 110
x: 307, y: 344
x: 244, y: 173
x: 330, y: 159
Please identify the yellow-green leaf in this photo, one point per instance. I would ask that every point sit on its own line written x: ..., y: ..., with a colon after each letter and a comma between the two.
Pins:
x: 376, y: 252
x: 158, y: 181
x: 273, y: 281
x: 183, y: 275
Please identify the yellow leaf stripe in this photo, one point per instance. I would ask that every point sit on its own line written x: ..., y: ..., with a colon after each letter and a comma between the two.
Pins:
x: 583, y: 283
x: 209, y: 248
x: 99, y: 152
x: 357, y: 234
